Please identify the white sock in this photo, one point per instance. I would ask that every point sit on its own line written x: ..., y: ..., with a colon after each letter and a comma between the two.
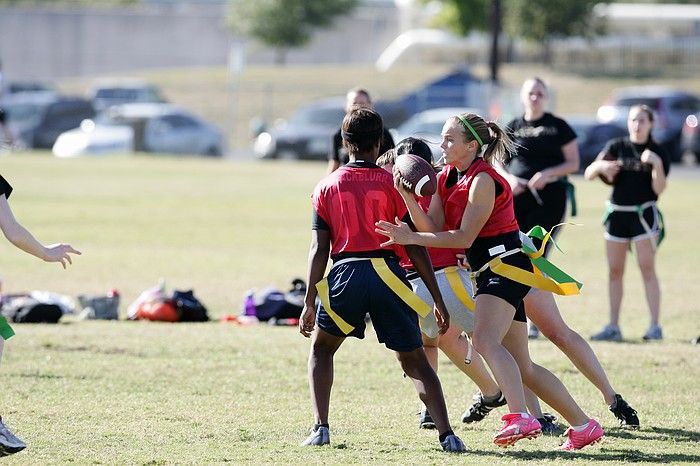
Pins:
x: 580, y: 428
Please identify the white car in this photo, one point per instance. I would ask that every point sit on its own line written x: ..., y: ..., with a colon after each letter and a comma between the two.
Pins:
x: 427, y: 125
x: 153, y: 127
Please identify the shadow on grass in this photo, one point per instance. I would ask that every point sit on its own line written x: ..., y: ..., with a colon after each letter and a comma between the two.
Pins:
x: 601, y: 455
x: 92, y: 349
x: 655, y: 433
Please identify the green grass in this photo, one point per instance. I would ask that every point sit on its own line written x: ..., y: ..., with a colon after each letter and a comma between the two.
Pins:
x: 134, y: 392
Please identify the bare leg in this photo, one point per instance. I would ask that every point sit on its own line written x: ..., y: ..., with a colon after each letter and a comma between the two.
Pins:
x: 415, y: 365
x: 646, y: 259
x: 323, y: 348
x: 455, y: 345
x: 542, y: 382
x: 617, y: 253
x: 542, y: 309
x: 493, y: 319
x: 533, y: 403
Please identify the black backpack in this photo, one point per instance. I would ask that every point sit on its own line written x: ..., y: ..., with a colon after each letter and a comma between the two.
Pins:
x: 188, y: 307
x: 29, y: 310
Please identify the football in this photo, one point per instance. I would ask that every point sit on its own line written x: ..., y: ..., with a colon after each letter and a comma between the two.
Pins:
x: 417, y: 175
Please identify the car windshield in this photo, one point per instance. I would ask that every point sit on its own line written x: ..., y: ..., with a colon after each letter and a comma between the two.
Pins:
x: 629, y: 101
x: 422, y: 128
x: 25, y: 113
x: 318, y: 116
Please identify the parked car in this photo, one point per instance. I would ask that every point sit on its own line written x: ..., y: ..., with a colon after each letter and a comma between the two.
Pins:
x: 148, y: 127
x: 427, y: 125
x: 37, y: 121
x: 307, y: 134
x: 25, y: 87
x: 24, y: 111
x: 670, y: 106
x: 690, y: 139
x: 106, y: 95
x: 592, y: 136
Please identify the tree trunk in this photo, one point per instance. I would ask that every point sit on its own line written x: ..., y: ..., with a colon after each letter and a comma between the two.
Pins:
x: 280, y: 56
x: 495, y: 26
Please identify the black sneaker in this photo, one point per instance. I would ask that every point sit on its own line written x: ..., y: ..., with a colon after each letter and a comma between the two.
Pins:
x: 426, y: 420
x: 481, y: 408
x: 549, y: 424
x: 624, y: 412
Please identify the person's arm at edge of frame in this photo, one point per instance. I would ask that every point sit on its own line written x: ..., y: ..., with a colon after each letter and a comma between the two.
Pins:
x: 319, y: 252
x: 24, y: 240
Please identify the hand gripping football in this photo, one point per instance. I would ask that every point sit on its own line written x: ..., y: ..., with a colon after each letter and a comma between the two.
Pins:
x: 417, y: 175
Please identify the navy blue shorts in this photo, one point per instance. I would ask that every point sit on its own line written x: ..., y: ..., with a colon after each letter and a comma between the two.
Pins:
x: 355, y: 290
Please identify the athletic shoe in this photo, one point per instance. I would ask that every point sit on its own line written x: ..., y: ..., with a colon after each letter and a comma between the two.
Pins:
x: 453, y: 444
x: 653, y: 333
x: 9, y: 443
x: 516, y: 427
x: 624, y: 412
x: 426, y: 420
x: 319, y: 436
x: 593, y: 433
x: 549, y: 424
x: 532, y: 331
x: 481, y: 408
x: 609, y: 333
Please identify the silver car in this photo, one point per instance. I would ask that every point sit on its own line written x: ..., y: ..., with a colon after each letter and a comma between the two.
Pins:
x: 153, y: 127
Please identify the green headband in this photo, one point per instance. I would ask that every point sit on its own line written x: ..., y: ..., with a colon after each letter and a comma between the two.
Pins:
x: 469, y: 127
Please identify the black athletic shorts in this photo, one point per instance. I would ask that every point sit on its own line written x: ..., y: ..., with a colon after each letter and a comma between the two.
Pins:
x: 487, y: 282
x: 355, y: 290
x: 627, y: 226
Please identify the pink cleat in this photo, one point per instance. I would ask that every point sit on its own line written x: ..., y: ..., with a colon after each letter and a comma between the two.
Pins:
x: 593, y: 433
x: 517, y: 427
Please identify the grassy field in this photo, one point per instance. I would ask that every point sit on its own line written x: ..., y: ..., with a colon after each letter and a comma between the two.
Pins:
x: 149, y: 393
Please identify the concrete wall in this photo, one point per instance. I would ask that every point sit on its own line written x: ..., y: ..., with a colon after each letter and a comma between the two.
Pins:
x: 54, y: 42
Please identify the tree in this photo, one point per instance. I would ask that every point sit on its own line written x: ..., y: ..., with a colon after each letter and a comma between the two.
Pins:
x: 463, y: 16
x: 284, y: 24
x: 544, y: 20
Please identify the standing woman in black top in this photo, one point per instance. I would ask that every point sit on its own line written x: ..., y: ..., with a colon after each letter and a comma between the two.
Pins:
x: 546, y: 151
x: 637, y: 168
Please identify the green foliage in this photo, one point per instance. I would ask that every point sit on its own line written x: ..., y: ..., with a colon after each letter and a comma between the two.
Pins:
x: 463, y: 16
x: 541, y: 20
x: 285, y: 23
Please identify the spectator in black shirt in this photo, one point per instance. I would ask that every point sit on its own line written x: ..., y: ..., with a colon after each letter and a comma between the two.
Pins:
x: 356, y: 97
x: 636, y: 167
x: 546, y: 151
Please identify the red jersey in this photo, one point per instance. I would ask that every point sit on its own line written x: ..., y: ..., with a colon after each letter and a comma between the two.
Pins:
x: 439, y: 257
x: 351, y: 200
x: 456, y: 197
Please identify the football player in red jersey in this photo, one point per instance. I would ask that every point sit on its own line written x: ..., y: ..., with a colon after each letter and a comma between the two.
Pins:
x: 365, y: 278
x: 475, y: 205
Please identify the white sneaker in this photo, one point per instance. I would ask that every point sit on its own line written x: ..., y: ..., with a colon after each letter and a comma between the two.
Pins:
x: 319, y: 435
x: 9, y: 443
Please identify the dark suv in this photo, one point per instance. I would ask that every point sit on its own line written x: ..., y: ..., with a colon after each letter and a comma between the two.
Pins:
x: 671, y: 107
x: 63, y: 114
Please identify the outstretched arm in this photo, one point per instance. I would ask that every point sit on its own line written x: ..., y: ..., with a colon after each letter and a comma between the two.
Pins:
x: 24, y: 240
x: 481, y: 200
